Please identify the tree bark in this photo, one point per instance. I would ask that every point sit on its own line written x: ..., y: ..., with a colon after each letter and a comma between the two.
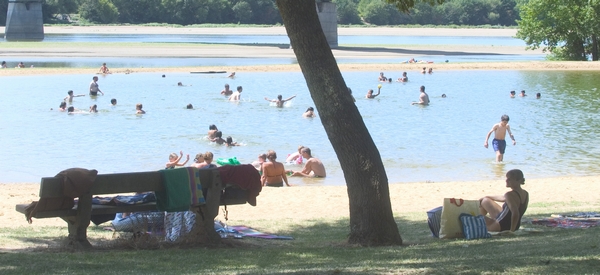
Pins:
x: 371, y: 219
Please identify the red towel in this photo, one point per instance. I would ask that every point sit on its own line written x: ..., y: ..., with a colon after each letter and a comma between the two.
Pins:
x: 245, y: 176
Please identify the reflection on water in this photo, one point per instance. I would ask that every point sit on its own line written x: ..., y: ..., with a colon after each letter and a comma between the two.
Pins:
x: 441, y: 142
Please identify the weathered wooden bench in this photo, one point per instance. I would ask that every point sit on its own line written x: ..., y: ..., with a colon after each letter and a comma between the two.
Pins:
x: 78, y: 218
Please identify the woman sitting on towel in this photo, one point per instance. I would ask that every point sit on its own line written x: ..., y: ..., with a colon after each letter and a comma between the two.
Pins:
x: 507, y: 217
x: 273, y: 172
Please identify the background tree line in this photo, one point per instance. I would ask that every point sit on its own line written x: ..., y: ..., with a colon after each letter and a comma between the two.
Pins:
x: 356, y: 12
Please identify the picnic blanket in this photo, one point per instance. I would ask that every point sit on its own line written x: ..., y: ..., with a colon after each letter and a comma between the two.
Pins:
x: 577, y: 220
x: 251, y: 232
x: 240, y: 231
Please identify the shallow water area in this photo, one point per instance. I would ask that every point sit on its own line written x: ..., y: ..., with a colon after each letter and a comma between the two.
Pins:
x: 439, y: 142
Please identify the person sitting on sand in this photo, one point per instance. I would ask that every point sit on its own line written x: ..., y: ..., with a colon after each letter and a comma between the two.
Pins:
x: 20, y: 65
x: 226, y: 91
x: 508, y: 216
x: 404, y: 78
x: 279, y: 101
x: 139, y: 110
x: 104, y: 69
x: 310, y: 112
x: 274, y: 173
x: 313, y: 167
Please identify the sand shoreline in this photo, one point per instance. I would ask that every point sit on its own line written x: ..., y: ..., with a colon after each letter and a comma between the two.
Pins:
x: 548, y: 195
x: 275, y: 30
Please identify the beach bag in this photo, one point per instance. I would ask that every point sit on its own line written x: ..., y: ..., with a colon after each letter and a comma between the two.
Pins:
x: 452, y: 208
x: 434, y: 218
x: 473, y: 227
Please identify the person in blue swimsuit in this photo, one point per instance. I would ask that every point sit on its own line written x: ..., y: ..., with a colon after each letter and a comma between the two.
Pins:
x: 508, y: 216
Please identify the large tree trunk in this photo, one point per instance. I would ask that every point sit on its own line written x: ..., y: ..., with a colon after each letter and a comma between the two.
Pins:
x: 371, y: 218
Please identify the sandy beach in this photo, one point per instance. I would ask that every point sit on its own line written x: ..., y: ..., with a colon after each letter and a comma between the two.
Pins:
x: 304, y: 203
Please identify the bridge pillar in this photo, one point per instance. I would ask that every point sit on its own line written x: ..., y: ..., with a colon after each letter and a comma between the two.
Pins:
x: 327, y: 12
x: 24, y: 21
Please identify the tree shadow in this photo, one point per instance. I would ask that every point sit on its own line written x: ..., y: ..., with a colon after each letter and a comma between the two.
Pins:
x: 320, y: 247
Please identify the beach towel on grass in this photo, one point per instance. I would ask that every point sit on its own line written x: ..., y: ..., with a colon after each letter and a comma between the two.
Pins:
x: 565, y: 222
x: 250, y: 232
x: 182, y: 190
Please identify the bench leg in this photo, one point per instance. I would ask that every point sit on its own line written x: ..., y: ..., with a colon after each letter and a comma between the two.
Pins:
x: 204, y: 229
x: 78, y: 224
x: 77, y: 233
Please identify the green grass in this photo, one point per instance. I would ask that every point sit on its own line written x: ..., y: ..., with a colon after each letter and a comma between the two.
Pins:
x: 319, y: 248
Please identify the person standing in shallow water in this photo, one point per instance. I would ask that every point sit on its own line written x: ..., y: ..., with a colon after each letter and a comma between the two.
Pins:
x: 499, y: 141
x: 423, y: 98
x: 94, y: 87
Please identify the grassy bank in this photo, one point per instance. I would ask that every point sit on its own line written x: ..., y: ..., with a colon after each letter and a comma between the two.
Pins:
x: 319, y: 248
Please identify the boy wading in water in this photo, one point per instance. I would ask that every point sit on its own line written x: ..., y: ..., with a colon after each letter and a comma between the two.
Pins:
x: 499, y: 141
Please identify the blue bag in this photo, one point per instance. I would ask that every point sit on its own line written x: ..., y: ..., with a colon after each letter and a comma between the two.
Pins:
x: 434, y: 218
x: 473, y: 227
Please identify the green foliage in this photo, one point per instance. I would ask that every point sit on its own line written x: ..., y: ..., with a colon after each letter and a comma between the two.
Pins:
x: 3, y: 11
x: 98, y: 11
x: 375, y: 12
x: 568, y: 30
x: 242, y: 11
x: 347, y: 12
x: 139, y: 11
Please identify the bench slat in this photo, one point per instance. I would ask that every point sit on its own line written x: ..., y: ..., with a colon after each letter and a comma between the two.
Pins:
x: 97, y: 209
x: 51, y: 187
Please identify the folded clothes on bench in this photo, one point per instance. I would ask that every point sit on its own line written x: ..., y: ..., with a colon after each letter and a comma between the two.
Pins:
x: 125, y: 200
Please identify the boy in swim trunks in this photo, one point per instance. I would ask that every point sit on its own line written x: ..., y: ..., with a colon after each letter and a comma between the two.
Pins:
x: 499, y: 142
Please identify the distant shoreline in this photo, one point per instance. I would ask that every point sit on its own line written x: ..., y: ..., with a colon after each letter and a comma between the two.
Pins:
x: 275, y: 30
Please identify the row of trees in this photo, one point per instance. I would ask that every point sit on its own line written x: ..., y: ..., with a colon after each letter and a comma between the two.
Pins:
x: 457, y: 12
x: 186, y: 12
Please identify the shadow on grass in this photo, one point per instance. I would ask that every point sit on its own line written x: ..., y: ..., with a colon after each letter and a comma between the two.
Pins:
x: 320, y: 247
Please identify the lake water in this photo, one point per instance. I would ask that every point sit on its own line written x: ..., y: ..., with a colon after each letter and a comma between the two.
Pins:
x: 440, y: 142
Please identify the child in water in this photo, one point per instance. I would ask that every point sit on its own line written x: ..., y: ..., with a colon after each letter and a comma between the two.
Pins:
x: 229, y: 142
x: 174, y: 160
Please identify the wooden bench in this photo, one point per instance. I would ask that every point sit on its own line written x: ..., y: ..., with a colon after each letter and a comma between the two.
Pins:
x: 78, y: 218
